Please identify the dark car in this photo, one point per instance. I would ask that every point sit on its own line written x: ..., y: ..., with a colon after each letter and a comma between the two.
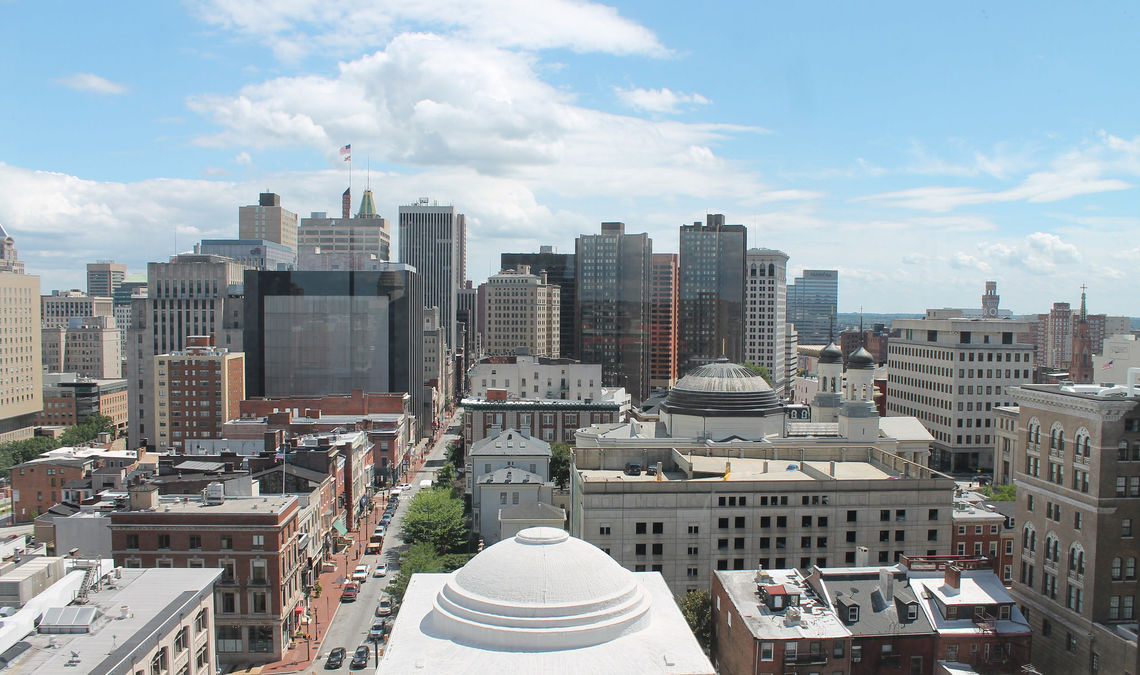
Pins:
x: 633, y: 469
x: 360, y: 658
x: 336, y: 658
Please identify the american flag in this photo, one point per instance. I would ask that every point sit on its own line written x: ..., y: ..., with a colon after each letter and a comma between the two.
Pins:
x: 280, y: 452
x: 1108, y: 364
x: 346, y: 152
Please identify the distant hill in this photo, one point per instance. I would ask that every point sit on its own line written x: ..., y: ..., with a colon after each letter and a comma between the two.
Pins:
x: 845, y: 320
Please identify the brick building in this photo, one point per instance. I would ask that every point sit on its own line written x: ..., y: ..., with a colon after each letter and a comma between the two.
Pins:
x: 552, y: 420
x: 39, y: 484
x: 70, y: 399
x: 256, y: 542
x: 983, y: 531
x: 663, y: 320
x: 197, y: 389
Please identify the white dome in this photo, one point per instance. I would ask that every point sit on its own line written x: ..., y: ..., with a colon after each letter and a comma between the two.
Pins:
x: 542, y: 589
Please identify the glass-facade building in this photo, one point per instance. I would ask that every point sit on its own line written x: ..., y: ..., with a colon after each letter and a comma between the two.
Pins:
x: 710, y: 293
x: 316, y: 333
x: 612, y: 312
x: 813, y: 300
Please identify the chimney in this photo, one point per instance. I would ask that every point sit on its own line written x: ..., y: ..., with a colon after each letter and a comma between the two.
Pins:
x: 862, y: 556
x: 831, y: 470
x: 953, y: 580
x: 143, y: 497
x: 887, y: 583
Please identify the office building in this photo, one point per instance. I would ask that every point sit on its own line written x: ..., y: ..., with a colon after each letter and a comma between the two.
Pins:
x: 663, y: 308
x: 362, y: 243
x: 254, y: 540
x: 1121, y: 352
x: 950, y: 373
x: 62, y: 306
x: 468, y: 316
x: 766, y: 315
x: 258, y: 254
x: 813, y: 300
x: 104, y: 278
x: 21, y: 383
x: 197, y: 390
x: 560, y: 606
x: 433, y: 239
x: 91, y: 346
x: 523, y: 312
x: 268, y: 220
x: 710, y: 293
x: 1077, y: 469
x: 560, y: 269
x: 612, y: 311
x: 439, y: 389
x: 190, y: 295
x: 69, y: 399
x: 317, y: 333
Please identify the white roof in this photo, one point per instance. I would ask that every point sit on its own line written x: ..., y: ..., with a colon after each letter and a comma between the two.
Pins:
x: 976, y: 587
x: 541, y: 602
x: 904, y: 429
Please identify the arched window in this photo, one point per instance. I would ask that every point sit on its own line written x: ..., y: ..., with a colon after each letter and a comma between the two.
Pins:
x: 761, y: 270
x: 753, y: 271
x: 1117, y: 565
x: 771, y: 269
x: 1057, y: 437
x: 1052, y: 548
x: 1033, y: 431
x: 1029, y: 539
x: 1076, y: 559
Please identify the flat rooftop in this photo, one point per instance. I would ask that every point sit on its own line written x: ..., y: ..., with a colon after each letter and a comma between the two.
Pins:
x: 195, y: 505
x: 767, y: 470
x: 816, y: 620
x: 152, y: 596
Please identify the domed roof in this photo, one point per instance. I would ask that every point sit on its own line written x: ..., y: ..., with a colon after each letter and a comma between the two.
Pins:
x: 542, y: 588
x: 831, y: 354
x: 721, y: 389
x: 861, y: 360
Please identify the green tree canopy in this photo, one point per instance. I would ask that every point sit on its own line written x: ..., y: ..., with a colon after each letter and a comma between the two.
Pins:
x: 455, y: 453
x: 696, y: 607
x: 445, y: 476
x: 560, y: 463
x: 1000, y: 493
x: 421, y: 557
x: 759, y: 370
x: 435, y: 517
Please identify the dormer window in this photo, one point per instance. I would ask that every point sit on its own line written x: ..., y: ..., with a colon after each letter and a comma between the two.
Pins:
x: 912, y: 611
x: 1003, y: 612
x: 853, y: 614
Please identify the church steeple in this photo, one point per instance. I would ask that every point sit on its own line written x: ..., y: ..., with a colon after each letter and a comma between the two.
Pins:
x: 1080, y: 368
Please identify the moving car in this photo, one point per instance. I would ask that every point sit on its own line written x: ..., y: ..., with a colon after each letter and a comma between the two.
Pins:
x: 360, y: 657
x: 381, y: 570
x: 378, y: 630
x: 360, y: 574
x: 336, y: 658
x: 351, y: 590
x: 385, y: 606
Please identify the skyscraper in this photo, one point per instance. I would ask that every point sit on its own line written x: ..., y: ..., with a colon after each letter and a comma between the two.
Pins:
x: 433, y: 240
x: 765, y: 325
x: 268, y: 220
x: 663, y: 321
x: 522, y: 311
x: 362, y: 243
x: 320, y: 332
x: 710, y: 293
x: 560, y: 270
x: 813, y: 300
x: 21, y: 385
x: 105, y: 277
x: 613, y: 306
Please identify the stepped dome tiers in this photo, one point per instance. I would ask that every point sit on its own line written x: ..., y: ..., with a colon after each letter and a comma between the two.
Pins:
x: 720, y: 400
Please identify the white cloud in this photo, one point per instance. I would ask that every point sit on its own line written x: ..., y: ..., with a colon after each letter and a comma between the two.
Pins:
x: 293, y: 28
x: 1038, y: 253
x: 662, y: 100
x: 93, y: 83
x: 243, y: 158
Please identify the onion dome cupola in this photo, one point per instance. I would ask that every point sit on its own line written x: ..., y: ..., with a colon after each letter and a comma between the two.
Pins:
x: 861, y: 360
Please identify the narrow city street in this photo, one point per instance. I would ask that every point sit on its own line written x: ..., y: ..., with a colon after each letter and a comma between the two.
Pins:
x: 350, y: 626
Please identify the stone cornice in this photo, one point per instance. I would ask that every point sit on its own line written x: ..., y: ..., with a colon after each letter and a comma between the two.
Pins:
x: 1108, y: 409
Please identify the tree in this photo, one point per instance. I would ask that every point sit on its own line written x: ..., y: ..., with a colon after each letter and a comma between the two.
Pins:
x: 455, y: 453
x: 435, y: 517
x: 696, y: 607
x: 421, y: 557
x: 445, y: 476
x: 560, y: 463
x: 760, y: 370
x: 1000, y: 493
x: 88, y: 430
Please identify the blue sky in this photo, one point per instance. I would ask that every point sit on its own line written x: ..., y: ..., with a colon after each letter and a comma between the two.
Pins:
x: 919, y: 149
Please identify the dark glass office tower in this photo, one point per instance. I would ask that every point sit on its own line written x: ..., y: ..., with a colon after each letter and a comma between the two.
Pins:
x: 711, y: 293
x: 315, y: 333
x: 560, y: 270
x: 613, y: 306
x: 812, y: 302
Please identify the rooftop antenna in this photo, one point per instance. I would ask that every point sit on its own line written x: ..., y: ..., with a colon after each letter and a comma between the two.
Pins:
x: 861, y: 337
x: 368, y: 172
x: 831, y: 328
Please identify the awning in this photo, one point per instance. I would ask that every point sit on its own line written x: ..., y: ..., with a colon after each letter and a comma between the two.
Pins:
x: 338, y: 525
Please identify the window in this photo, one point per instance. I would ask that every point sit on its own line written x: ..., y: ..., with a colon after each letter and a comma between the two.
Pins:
x: 767, y: 651
x: 164, y: 541
x: 853, y: 614
x: 932, y: 514
x: 180, y: 639
x: 658, y: 549
x: 195, y: 541
x: 639, y: 549
x: 259, y: 573
x: 260, y: 604
x: 132, y: 541
x: 912, y: 611
x: 722, y: 523
x: 261, y: 639
x: 603, y: 529
x: 658, y: 528
x: 1126, y: 527
x: 258, y: 542
x: 738, y: 522
x: 229, y: 603
x: 227, y: 542
x: 951, y: 652
x: 885, y: 515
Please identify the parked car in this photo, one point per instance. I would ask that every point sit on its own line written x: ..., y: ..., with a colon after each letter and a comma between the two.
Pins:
x: 386, y: 519
x: 380, y: 531
x: 650, y: 471
x: 385, y: 606
x: 360, y: 574
x: 632, y: 469
x: 405, y: 486
x: 381, y: 570
x: 351, y: 590
x: 378, y: 630
x: 394, y: 493
x: 336, y: 658
x: 360, y: 657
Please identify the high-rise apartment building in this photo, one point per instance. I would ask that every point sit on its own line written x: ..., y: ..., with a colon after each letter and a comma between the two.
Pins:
x: 91, y: 346
x: 1053, y: 334
x: 197, y: 390
x: 663, y: 278
x: 317, y: 333
x: 1076, y: 464
x: 190, y: 295
x: 612, y: 312
x: 268, y: 220
x: 710, y: 292
x: 21, y: 379
x: 766, y: 315
x: 523, y: 310
x: 813, y: 300
x: 950, y: 373
x: 433, y: 239
x: 560, y: 269
x: 105, y: 277
x: 61, y: 306
x: 362, y: 243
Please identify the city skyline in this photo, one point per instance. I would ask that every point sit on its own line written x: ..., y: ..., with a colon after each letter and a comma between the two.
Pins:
x: 919, y: 151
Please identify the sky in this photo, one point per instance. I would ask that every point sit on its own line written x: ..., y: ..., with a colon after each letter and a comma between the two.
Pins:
x: 918, y: 148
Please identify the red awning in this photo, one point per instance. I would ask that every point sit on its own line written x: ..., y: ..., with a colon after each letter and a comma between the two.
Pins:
x: 298, y: 610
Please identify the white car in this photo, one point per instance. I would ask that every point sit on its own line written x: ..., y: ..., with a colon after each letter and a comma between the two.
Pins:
x: 360, y: 573
x: 405, y: 486
x: 381, y: 570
